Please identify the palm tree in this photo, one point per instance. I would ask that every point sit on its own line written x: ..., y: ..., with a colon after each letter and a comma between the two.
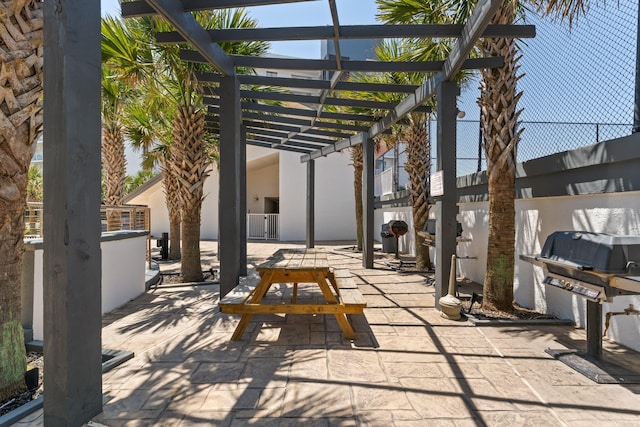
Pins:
x: 127, y: 48
x: 188, y: 160
x: 413, y: 131
x: 115, y: 94
x: 499, y: 111
x: 356, y: 153
x: 189, y: 156
x: 147, y: 128
x: 189, y: 164
x: 134, y: 181
x: 20, y: 127
x: 34, y: 185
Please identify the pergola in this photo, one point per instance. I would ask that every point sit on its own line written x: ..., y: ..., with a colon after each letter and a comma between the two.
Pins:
x: 237, y: 115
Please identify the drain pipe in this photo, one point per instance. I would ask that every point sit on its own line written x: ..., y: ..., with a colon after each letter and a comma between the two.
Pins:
x: 627, y: 311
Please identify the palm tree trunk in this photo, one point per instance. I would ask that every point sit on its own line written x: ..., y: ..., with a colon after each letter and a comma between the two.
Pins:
x: 418, y: 166
x: 20, y: 124
x: 172, y: 197
x: 356, y: 159
x: 12, y: 351
x: 498, y: 101
x: 192, y: 270
x: 190, y: 164
x: 114, y: 167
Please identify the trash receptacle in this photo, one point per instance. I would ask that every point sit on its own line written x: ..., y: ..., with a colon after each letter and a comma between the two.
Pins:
x: 163, y: 244
x: 388, y: 241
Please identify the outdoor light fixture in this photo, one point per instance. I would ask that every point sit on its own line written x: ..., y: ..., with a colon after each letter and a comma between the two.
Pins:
x: 461, y: 114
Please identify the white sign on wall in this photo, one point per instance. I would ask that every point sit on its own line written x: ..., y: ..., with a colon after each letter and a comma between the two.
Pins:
x: 436, y: 187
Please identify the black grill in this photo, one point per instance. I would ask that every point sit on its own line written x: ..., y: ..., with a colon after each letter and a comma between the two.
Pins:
x: 430, y: 227
x: 595, y: 266
x: 599, y: 252
x: 397, y: 228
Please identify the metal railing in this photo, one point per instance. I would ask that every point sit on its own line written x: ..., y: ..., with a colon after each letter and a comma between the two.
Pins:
x: 33, y: 221
x: 129, y: 217
x: 263, y: 226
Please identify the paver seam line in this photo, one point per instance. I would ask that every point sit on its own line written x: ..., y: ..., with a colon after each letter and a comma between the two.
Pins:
x: 524, y: 380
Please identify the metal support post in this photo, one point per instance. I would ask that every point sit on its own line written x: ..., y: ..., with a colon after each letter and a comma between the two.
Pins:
x: 446, y: 206
x: 242, y: 212
x: 636, y: 103
x: 311, y: 173
x: 594, y: 329
x: 230, y: 170
x: 72, y: 255
x: 367, y: 201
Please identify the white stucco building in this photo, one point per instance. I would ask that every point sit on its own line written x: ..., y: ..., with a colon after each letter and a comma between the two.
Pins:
x: 276, y: 184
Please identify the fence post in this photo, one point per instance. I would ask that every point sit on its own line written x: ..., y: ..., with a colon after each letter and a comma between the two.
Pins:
x: 266, y: 227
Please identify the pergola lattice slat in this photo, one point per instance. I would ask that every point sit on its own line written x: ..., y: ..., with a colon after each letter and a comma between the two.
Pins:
x: 135, y: 9
x: 350, y: 32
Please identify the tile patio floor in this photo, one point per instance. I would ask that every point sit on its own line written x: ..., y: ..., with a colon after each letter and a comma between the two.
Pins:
x: 408, y: 366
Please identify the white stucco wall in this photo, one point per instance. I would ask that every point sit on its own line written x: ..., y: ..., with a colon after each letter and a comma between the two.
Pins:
x: 155, y: 200
x: 616, y: 213
x: 261, y: 183
x: 120, y: 284
x: 127, y: 281
x: 209, y: 213
x: 286, y: 179
x: 158, y: 208
x: 334, y: 197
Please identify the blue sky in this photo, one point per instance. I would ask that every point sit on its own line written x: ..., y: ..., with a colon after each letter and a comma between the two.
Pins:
x: 585, y: 75
x: 351, y: 12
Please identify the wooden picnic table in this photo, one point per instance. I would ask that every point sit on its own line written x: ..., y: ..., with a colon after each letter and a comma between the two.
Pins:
x: 296, y: 266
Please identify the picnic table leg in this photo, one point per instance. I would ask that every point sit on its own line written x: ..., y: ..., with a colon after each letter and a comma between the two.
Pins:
x: 294, y: 298
x: 259, y: 293
x: 341, y: 318
x: 344, y: 324
x: 332, y: 279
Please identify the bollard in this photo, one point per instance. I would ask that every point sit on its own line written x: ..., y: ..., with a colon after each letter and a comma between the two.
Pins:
x: 451, y: 306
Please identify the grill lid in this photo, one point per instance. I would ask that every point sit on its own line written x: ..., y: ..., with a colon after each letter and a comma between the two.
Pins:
x: 430, y: 227
x: 600, y: 252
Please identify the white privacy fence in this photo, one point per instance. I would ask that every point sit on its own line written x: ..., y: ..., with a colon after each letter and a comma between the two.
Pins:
x: 263, y: 226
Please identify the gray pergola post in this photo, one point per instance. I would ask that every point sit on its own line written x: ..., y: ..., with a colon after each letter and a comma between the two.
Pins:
x: 72, y: 256
x: 367, y: 201
x: 311, y: 218
x: 446, y: 207
x: 230, y: 170
x: 242, y: 212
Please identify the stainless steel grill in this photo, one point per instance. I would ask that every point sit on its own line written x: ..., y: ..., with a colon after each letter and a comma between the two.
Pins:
x: 596, y: 267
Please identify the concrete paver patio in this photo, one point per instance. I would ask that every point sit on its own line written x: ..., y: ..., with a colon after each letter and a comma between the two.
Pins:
x: 408, y: 366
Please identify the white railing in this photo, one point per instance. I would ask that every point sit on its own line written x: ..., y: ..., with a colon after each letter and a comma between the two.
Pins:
x: 386, y: 181
x: 383, y: 182
x: 263, y: 226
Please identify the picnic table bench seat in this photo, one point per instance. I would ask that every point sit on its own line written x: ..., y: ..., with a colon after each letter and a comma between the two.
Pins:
x: 241, y: 293
x: 348, y: 291
x: 349, y: 295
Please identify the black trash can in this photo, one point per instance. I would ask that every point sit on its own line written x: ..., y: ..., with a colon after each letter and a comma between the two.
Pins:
x: 163, y: 244
x: 388, y: 241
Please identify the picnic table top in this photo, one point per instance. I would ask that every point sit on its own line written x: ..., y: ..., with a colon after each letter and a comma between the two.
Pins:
x: 296, y: 259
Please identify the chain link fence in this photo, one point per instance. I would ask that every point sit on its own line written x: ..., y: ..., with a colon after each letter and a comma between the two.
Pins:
x: 578, y: 86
